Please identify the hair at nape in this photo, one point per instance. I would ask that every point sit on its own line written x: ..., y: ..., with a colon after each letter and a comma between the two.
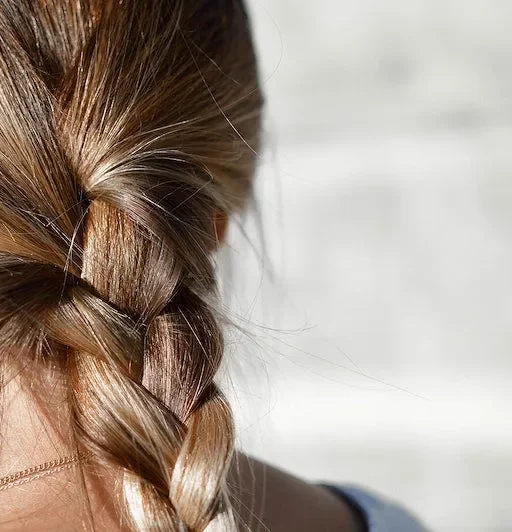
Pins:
x: 125, y: 126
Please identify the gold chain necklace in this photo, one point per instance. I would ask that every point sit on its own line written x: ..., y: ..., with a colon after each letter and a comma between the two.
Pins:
x: 35, y: 472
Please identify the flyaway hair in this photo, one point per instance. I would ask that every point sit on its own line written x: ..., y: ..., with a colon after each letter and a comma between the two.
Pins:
x: 126, y: 126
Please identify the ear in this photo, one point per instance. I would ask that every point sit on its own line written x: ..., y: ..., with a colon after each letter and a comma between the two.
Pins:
x: 221, y: 226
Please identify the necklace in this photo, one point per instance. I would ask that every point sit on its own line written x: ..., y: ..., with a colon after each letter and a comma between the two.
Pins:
x: 35, y: 472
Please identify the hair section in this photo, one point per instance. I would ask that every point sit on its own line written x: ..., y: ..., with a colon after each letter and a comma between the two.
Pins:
x: 125, y: 126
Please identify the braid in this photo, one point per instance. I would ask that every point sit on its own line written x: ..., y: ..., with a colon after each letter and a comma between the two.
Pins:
x: 174, y: 435
x: 189, y: 344
x: 125, y: 126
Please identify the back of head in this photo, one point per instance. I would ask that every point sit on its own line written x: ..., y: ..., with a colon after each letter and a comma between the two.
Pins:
x: 126, y: 126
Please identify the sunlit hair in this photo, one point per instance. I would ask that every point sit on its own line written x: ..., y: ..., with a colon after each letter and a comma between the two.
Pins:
x: 126, y: 126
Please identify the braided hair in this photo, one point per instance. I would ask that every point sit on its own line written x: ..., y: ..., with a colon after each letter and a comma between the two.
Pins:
x: 126, y: 126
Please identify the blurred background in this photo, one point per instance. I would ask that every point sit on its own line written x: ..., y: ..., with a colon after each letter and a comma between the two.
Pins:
x: 379, y: 315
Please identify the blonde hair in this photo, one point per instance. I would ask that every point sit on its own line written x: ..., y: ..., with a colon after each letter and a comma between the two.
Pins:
x: 125, y: 127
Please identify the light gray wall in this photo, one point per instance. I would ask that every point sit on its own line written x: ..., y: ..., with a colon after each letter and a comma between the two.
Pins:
x: 380, y: 352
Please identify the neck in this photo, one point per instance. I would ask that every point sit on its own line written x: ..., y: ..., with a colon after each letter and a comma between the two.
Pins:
x: 34, y: 425
x: 35, y: 428
x: 34, y: 420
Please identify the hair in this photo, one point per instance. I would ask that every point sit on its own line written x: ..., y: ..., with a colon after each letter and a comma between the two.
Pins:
x: 126, y: 127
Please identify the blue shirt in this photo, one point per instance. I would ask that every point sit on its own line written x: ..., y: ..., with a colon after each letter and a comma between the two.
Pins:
x: 377, y: 514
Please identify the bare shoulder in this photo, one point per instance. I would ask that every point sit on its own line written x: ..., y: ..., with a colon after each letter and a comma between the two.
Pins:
x: 272, y: 499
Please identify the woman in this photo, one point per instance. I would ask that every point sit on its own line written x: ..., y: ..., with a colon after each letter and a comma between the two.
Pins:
x: 129, y: 133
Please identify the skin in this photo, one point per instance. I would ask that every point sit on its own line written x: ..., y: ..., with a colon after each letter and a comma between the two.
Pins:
x: 221, y: 227
x: 279, y: 502
x: 36, y: 431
